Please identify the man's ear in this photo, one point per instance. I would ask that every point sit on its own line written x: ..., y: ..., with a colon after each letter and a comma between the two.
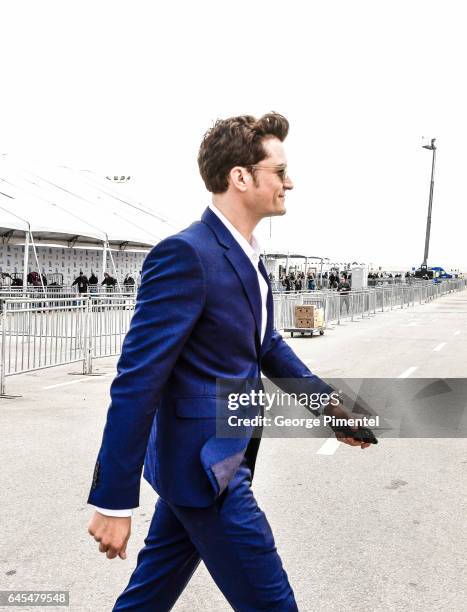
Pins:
x: 239, y: 177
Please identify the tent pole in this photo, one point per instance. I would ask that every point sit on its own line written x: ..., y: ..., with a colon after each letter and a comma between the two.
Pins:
x: 26, y: 261
x: 104, y: 258
x: 115, y: 270
x: 37, y: 263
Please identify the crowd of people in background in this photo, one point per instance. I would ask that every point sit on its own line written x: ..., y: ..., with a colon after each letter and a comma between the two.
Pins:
x: 8, y: 281
x: 83, y: 283
x: 90, y: 284
x: 298, y: 281
x: 376, y: 275
x: 333, y: 279
x: 295, y: 281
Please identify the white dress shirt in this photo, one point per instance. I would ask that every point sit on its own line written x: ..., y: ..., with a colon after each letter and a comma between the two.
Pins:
x: 252, y: 251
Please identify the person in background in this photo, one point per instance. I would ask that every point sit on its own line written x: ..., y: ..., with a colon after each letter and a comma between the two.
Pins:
x: 344, y: 290
x: 82, y: 282
x: 129, y: 282
x: 298, y: 283
x: 6, y: 280
x: 109, y: 281
x: 93, y: 281
x: 34, y: 279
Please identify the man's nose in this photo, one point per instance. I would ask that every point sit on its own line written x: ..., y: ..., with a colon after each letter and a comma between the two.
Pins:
x: 288, y: 183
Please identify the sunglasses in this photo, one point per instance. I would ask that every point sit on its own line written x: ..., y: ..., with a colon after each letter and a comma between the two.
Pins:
x: 280, y: 170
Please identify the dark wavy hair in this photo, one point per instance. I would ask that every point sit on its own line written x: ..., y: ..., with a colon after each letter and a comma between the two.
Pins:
x: 237, y: 141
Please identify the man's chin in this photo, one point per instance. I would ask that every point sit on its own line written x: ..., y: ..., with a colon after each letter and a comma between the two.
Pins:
x: 279, y: 211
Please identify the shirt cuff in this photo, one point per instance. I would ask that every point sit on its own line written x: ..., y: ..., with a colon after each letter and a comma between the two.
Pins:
x: 119, y: 513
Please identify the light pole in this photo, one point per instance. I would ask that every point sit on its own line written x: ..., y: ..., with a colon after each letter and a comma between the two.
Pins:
x: 430, y: 147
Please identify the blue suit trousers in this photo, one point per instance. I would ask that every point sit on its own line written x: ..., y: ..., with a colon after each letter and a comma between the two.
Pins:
x: 232, y: 537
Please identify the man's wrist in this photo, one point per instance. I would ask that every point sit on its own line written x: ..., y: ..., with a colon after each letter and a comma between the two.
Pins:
x: 116, y: 513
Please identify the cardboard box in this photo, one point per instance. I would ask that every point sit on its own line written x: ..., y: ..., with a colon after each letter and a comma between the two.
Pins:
x: 304, y: 323
x: 305, y: 312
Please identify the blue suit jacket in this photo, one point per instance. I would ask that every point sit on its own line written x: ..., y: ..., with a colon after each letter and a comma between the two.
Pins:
x: 197, y: 318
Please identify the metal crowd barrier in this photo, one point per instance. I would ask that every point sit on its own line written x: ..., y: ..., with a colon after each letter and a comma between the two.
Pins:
x: 64, y: 291
x: 39, y: 333
x: 43, y: 332
x: 110, y: 318
x: 360, y: 304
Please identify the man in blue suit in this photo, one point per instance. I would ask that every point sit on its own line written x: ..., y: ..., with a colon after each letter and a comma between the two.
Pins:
x: 204, y: 312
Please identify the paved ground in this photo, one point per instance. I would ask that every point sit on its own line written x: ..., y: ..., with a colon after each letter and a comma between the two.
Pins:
x: 381, y: 529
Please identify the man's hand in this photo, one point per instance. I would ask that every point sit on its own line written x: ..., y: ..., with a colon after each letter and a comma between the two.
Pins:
x: 113, y: 533
x: 340, y: 413
x: 351, y: 441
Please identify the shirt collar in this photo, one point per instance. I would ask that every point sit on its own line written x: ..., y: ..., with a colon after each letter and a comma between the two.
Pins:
x: 253, y: 250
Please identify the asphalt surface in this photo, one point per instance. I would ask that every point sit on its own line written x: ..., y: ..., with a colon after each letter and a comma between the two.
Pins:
x: 381, y: 529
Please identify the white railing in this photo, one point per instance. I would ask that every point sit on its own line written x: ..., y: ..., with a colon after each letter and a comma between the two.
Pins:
x: 360, y: 304
x: 40, y: 333
x: 44, y: 332
x: 64, y: 291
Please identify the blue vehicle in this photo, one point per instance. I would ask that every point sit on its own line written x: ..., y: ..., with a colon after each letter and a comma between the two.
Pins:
x: 441, y: 272
x: 436, y: 273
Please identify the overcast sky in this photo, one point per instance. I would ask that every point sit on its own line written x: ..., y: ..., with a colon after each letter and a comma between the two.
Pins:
x: 130, y: 88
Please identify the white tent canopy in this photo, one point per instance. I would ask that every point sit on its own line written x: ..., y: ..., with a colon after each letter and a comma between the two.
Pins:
x: 68, y: 207
x: 43, y: 205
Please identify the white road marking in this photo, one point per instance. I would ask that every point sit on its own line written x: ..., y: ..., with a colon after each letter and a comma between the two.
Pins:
x: 329, y: 447
x: 456, y: 333
x: 71, y: 382
x: 408, y: 372
x: 440, y: 346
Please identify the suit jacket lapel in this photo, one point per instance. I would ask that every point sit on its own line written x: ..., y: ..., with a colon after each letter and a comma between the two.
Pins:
x: 240, y: 263
x: 269, y: 306
x: 249, y: 279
